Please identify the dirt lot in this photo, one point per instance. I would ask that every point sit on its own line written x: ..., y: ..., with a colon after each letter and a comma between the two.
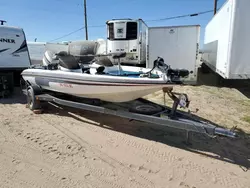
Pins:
x: 64, y: 147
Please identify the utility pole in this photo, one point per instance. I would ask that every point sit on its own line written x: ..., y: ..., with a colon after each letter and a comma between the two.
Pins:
x: 85, y: 16
x: 215, y: 6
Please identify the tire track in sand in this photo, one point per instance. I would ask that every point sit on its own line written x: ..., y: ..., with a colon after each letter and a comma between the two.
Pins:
x: 155, y: 153
x: 138, y: 181
x: 19, y: 151
x: 16, y: 159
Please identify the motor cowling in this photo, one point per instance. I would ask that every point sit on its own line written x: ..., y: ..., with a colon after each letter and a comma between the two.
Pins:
x: 49, y: 57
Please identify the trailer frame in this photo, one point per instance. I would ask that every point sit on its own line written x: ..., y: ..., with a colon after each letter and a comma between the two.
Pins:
x: 166, y: 117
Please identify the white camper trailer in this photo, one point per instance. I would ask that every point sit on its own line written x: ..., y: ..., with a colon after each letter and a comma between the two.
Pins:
x: 14, y: 53
x: 227, y: 41
x: 14, y: 57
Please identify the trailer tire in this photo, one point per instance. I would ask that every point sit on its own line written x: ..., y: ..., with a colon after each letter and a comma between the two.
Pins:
x: 33, y: 104
x: 146, y: 109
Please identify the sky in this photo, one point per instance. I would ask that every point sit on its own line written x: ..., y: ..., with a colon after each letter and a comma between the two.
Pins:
x: 48, y: 20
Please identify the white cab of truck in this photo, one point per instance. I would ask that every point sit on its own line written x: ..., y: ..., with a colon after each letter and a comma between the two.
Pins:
x: 14, y: 53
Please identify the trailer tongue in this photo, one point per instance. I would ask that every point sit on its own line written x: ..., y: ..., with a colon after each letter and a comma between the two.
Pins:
x: 140, y: 110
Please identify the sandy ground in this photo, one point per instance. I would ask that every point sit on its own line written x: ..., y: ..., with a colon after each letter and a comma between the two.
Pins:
x: 64, y: 147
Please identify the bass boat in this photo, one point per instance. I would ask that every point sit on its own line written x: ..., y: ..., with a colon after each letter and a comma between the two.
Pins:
x: 62, y: 73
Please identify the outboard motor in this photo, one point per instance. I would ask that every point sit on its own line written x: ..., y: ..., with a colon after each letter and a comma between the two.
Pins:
x: 62, y: 61
x: 50, y: 57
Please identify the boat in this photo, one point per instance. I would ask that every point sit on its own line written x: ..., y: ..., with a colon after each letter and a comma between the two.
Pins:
x: 62, y: 73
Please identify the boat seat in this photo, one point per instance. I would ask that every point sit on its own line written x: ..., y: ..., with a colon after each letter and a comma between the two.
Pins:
x: 68, y: 62
x: 62, y: 53
x: 119, y: 55
x: 100, y: 70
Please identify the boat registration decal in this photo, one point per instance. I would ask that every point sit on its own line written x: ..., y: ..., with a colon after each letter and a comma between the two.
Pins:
x: 66, y: 85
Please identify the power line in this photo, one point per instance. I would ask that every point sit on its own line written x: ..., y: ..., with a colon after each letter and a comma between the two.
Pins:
x: 181, y: 16
x: 68, y: 34
x: 75, y: 32
x: 161, y: 19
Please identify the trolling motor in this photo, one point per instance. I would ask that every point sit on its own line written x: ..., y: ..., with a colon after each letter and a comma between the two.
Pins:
x: 174, y: 74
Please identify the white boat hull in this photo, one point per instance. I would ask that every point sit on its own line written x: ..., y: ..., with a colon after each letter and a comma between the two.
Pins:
x: 111, y: 93
x: 103, y: 87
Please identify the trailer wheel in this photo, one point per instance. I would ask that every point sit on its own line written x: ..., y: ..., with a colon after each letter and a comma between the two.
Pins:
x: 146, y: 109
x: 31, y: 99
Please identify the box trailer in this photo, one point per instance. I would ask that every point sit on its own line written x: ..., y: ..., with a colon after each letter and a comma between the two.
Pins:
x: 227, y: 41
x: 177, y: 45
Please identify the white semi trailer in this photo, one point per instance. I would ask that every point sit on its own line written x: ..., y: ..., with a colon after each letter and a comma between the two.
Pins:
x: 227, y: 41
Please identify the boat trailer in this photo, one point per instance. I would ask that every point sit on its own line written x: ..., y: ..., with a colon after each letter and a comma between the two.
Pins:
x: 140, y: 110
